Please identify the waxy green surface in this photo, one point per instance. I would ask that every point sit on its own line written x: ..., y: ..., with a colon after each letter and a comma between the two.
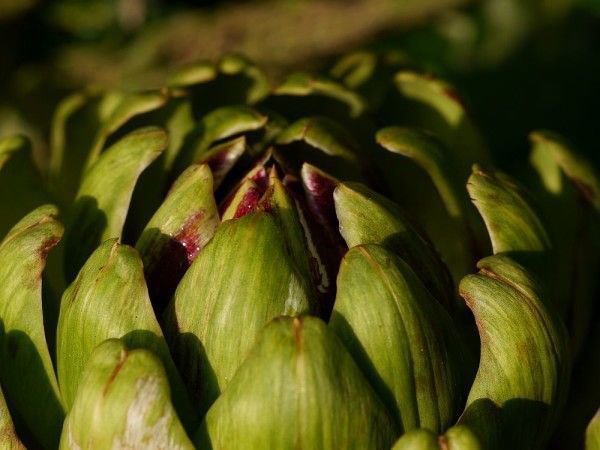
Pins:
x: 401, y: 338
x: 524, y: 364
x: 109, y: 299
x: 525, y: 360
x: 123, y: 402
x: 26, y: 369
x: 242, y: 279
x: 366, y: 217
x: 297, y: 389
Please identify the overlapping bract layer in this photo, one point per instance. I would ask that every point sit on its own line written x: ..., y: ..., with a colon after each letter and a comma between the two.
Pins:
x: 205, y: 223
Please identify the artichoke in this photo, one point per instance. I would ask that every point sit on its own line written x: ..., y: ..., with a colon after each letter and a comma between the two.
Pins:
x: 330, y: 263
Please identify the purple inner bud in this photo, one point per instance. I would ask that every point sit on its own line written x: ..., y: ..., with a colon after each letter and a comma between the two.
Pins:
x: 188, y: 236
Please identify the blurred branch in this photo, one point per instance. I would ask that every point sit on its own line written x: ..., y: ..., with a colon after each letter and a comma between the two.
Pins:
x: 277, y: 35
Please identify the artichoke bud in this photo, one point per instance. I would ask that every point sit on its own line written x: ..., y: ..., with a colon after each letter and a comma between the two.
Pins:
x: 458, y: 437
x: 247, y: 276
x: 103, y: 198
x: 109, y: 299
x: 123, y: 401
x: 592, y: 433
x: 179, y: 229
x: 524, y: 362
x: 401, y: 337
x: 10, y: 440
x: 284, y: 393
x: 366, y: 217
x: 26, y: 370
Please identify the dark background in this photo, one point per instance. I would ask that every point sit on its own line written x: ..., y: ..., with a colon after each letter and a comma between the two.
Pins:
x: 519, y: 64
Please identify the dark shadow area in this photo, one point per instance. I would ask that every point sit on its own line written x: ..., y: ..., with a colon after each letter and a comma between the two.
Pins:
x: 165, y: 262
x: 552, y: 82
x: 299, y: 152
x: 80, y: 128
x: 202, y: 380
x: 148, y: 194
x: 224, y: 90
x: 344, y: 331
x: 85, y: 225
x: 295, y: 107
x: 549, y: 80
x: 50, y: 312
x: 186, y: 154
x: 201, y: 439
x: 584, y: 394
x: 484, y: 418
x: 37, y: 412
x: 197, y: 372
x: 429, y: 267
x: 519, y: 424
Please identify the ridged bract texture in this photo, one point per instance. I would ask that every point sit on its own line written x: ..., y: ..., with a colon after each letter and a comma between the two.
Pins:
x: 284, y: 393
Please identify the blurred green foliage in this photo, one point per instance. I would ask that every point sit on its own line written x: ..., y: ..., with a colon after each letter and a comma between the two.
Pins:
x: 520, y: 64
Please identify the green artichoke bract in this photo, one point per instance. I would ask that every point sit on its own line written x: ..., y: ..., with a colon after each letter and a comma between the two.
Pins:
x: 123, y: 402
x: 285, y: 392
x: 329, y: 263
x: 403, y: 340
x: 27, y: 372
